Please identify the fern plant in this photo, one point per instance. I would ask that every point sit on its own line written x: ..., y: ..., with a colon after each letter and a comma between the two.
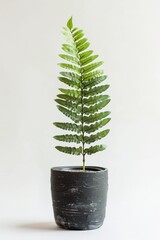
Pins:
x: 84, y: 98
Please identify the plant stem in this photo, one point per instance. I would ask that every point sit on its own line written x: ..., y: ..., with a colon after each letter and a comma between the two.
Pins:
x: 82, y: 92
x: 83, y: 165
x: 83, y: 142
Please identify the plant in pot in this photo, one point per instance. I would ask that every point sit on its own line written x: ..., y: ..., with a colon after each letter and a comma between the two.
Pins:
x: 79, y: 193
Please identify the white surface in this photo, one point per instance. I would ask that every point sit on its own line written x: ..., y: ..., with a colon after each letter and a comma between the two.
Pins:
x: 126, y: 35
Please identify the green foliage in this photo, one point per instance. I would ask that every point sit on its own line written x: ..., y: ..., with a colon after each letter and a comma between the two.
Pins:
x: 95, y: 117
x: 69, y: 138
x: 68, y: 126
x: 92, y: 100
x: 93, y: 127
x: 94, y: 149
x: 96, y: 137
x: 70, y: 150
x: 73, y: 84
x: 96, y: 107
x: 95, y: 90
x: 69, y: 23
x: 84, y: 99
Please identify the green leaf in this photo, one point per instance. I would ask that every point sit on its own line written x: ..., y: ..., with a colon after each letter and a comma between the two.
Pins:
x: 69, y: 98
x: 74, y: 29
x: 69, y: 49
x: 81, y: 42
x: 91, y: 75
x: 74, y: 84
x: 94, y: 127
x: 92, y: 100
x: 95, y: 108
x: 68, y: 126
x: 95, y: 117
x: 70, y: 24
x: 69, y: 58
x: 78, y: 37
x: 95, y: 90
x: 96, y: 137
x: 76, y: 33
x: 95, y: 149
x: 72, y: 93
x: 68, y: 37
x: 83, y: 47
x: 85, y: 54
x: 74, y: 116
x: 88, y: 60
x: 91, y: 67
x: 71, y: 75
x: 70, y: 67
x: 69, y: 138
x: 94, y: 81
x: 70, y: 150
x: 70, y: 105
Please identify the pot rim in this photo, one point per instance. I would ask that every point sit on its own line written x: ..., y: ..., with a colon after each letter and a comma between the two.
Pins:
x: 70, y: 169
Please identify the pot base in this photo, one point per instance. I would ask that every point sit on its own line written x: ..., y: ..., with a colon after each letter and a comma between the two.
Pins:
x: 81, y: 222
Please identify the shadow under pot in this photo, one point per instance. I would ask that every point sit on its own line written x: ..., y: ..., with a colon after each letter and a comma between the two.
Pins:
x: 79, y: 198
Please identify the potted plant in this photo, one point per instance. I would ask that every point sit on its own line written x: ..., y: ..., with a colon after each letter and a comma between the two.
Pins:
x: 79, y: 193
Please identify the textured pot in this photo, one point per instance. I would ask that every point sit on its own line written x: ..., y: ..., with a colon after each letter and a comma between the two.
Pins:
x: 79, y: 198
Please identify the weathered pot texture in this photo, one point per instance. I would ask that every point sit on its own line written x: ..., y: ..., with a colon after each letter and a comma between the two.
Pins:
x: 79, y: 198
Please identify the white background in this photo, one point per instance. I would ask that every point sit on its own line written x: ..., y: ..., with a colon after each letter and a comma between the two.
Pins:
x: 126, y: 35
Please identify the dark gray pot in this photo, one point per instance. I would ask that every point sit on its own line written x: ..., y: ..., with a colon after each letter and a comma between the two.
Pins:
x: 79, y: 198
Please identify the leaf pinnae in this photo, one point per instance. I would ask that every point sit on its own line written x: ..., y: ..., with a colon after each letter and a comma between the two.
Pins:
x: 69, y: 23
x: 70, y: 150
x: 68, y: 126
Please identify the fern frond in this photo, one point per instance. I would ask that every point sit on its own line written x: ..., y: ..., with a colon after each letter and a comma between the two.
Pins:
x: 78, y: 36
x: 91, y: 75
x: 70, y: 150
x: 70, y: 49
x: 92, y: 100
x: 85, y: 54
x: 68, y: 126
x: 71, y: 83
x: 91, y: 67
x: 72, y: 106
x: 71, y: 92
x: 69, y: 138
x: 69, y: 58
x: 74, y: 29
x: 68, y: 37
x: 81, y: 42
x: 88, y: 60
x: 70, y: 24
x: 68, y: 113
x: 69, y: 98
x: 95, y: 117
x: 96, y: 90
x: 94, y: 149
x: 85, y: 97
x: 71, y: 75
x: 95, y: 108
x: 96, y: 137
x: 83, y: 47
x: 76, y: 33
x: 70, y: 67
x: 94, y: 127
x: 94, y: 81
